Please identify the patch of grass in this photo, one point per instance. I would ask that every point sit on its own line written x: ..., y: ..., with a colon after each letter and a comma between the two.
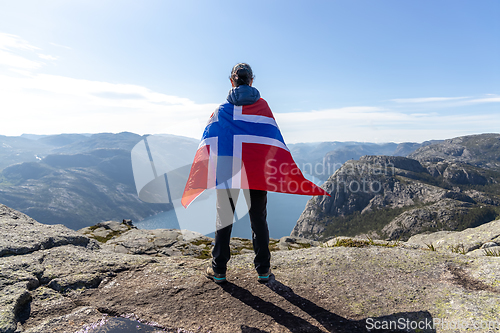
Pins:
x: 112, y: 234
x: 477, y: 216
x: 491, y: 253
x: 4, y: 182
x: 101, y: 239
x: 273, y: 245
x: 349, y: 242
x: 387, y: 244
x: 94, y: 227
x: 430, y: 247
x: 201, y: 241
x: 204, y: 254
x: 395, y: 244
x: 241, y: 239
x: 459, y: 248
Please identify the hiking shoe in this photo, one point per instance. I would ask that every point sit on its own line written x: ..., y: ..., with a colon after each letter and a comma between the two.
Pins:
x: 264, y: 277
x: 218, y: 278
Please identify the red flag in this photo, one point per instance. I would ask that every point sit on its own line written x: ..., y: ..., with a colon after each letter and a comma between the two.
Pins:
x: 242, y: 148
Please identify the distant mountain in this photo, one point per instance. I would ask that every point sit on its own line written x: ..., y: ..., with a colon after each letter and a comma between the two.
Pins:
x: 451, y: 185
x: 481, y: 150
x: 124, y: 140
x: 406, y: 148
x: 62, y: 140
x: 322, y: 159
x: 33, y: 136
x: 15, y: 149
x: 32, y: 147
x: 92, y: 184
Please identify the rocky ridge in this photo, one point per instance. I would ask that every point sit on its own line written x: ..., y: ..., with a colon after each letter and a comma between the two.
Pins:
x: 391, y: 197
x: 478, y: 150
x: 54, y: 279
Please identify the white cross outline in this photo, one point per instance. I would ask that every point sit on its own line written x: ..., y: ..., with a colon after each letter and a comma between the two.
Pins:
x: 238, y: 141
x: 251, y: 118
x: 237, y: 152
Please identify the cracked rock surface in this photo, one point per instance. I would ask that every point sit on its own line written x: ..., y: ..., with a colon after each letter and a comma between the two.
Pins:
x: 74, y: 284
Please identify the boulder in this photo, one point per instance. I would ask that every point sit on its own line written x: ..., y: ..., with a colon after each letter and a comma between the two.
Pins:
x: 431, y: 217
x: 21, y: 234
x: 460, y: 241
x: 35, y: 255
x: 291, y: 243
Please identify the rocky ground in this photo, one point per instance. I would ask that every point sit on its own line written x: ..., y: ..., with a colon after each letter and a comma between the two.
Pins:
x: 120, y: 279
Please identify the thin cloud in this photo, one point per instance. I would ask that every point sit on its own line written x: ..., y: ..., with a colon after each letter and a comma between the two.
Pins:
x: 482, y: 100
x: 63, y: 46
x: 47, y: 57
x: 14, y: 61
x: 380, y: 125
x: 55, y: 104
x: 10, y: 43
x: 115, y: 95
x: 426, y: 99
x: 347, y: 113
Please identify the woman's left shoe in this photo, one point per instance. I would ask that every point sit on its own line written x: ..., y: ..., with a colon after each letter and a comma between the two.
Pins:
x: 265, y: 277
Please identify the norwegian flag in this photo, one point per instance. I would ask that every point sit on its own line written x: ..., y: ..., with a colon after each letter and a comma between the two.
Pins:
x: 242, y: 148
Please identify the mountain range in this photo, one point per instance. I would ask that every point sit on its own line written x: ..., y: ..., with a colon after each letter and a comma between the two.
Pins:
x: 80, y: 179
x: 75, y: 179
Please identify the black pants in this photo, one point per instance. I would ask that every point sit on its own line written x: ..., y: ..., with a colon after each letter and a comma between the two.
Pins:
x: 226, y: 202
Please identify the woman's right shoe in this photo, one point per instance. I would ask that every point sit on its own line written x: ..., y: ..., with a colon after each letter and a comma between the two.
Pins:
x: 218, y: 278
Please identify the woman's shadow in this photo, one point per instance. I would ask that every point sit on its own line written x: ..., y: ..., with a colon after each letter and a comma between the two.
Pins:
x: 331, y: 321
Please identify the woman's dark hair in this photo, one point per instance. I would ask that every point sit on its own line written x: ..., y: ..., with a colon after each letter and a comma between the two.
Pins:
x: 242, y: 74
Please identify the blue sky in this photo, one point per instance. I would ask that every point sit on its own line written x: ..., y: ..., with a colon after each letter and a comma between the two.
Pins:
x: 367, y: 70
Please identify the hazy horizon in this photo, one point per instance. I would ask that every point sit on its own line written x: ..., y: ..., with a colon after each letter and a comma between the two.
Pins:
x: 195, y: 139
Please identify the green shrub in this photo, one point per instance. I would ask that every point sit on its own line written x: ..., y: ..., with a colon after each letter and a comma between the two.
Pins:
x: 357, y: 223
x: 476, y: 216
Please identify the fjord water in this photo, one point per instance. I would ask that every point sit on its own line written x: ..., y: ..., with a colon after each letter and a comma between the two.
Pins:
x: 283, y: 211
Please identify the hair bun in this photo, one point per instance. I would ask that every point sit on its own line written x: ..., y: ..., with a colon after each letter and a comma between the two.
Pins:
x: 242, y: 74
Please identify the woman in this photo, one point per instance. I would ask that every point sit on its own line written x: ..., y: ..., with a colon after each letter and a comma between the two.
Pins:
x: 242, y: 93
x: 242, y: 148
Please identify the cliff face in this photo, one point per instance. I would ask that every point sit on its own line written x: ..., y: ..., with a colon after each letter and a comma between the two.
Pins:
x: 446, y: 186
